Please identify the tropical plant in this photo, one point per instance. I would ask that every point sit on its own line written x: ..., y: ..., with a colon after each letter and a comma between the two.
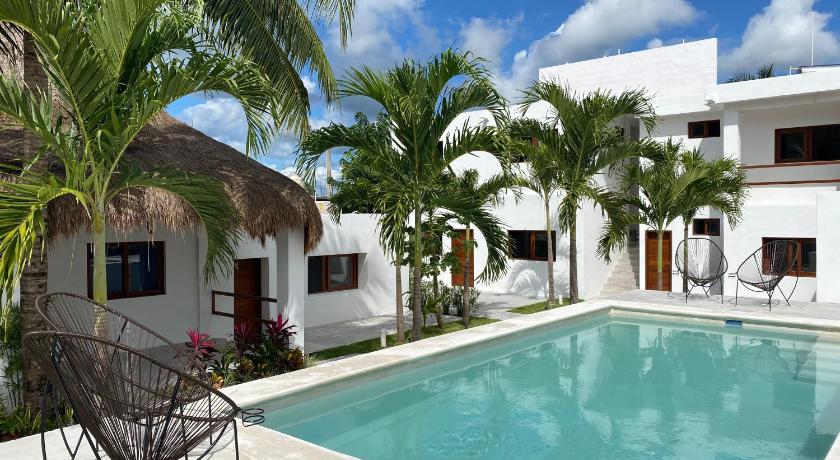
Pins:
x: 361, y: 187
x: 277, y: 36
x: 663, y: 183
x: 11, y: 355
x: 723, y: 188
x: 536, y: 145
x: 765, y: 71
x: 487, y: 194
x: 590, y: 144
x: 421, y: 101
x: 114, y: 68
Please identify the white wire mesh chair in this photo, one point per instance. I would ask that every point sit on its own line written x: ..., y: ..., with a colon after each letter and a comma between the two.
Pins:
x: 705, y: 266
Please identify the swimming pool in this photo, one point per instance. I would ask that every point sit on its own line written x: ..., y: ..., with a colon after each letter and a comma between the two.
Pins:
x: 622, y: 387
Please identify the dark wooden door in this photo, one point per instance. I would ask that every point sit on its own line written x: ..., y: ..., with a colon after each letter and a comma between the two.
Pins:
x: 458, y: 250
x: 650, y: 261
x: 247, y: 280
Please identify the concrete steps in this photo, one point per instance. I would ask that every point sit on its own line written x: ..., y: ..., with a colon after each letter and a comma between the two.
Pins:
x: 625, y: 273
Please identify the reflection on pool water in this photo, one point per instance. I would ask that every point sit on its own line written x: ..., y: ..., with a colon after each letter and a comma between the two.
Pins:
x: 608, y: 388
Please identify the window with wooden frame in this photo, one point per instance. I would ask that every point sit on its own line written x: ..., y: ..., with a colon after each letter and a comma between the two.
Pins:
x: 808, y: 143
x: 709, y: 227
x: 701, y: 129
x: 806, y: 260
x: 521, y: 157
x: 336, y: 272
x: 132, y: 269
x: 531, y: 244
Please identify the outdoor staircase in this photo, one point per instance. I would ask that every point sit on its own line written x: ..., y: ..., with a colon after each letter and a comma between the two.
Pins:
x: 625, y: 273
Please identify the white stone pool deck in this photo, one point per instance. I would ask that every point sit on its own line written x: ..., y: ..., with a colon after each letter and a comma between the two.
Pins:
x: 259, y: 442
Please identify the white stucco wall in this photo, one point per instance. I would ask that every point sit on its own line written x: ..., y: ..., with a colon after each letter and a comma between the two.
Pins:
x: 170, y: 314
x: 356, y: 233
x: 776, y: 212
x: 828, y: 254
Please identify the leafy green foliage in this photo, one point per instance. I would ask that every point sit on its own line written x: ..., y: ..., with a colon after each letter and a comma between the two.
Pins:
x: 765, y: 71
x: 115, y: 66
x: 421, y: 101
x: 11, y: 354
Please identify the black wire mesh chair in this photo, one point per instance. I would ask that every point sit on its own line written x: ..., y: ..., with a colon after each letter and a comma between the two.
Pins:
x: 132, y: 405
x: 66, y: 312
x: 705, y: 265
x: 765, y: 268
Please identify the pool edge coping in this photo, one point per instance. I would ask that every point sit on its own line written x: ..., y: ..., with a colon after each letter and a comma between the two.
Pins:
x: 333, y: 372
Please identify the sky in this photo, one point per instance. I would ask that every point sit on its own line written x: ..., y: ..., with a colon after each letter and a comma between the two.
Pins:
x: 517, y: 37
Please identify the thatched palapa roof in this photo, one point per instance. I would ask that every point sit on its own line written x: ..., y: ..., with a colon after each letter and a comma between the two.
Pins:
x: 269, y: 203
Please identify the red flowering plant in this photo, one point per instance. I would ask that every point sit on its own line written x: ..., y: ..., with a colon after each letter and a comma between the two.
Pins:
x: 246, y: 337
x: 202, y: 346
x: 279, y: 332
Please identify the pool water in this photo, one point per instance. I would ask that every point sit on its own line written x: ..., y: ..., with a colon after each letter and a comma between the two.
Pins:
x: 621, y: 388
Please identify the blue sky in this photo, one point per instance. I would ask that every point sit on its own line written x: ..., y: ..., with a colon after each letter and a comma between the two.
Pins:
x: 520, y: 36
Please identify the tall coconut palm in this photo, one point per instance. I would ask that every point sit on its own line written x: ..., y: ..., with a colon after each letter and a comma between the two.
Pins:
x: 421, y: 100
x: 486, y: 194
x: 724, y: 188
x: 114, y: 68
x: 590, y: 144
x: 537, y: 144
x: 357, y: 188
x: 663, y: 183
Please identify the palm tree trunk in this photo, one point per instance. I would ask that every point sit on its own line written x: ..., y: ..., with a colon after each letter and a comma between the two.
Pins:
x: 659, y: 260
x: 685, y: 255
x: 465, y: 306
x: 550, y: 258
x: 416, y: 278
x: 573, y: 278
x: 33, y: 282
x: 438, y: 305
x: 100, y: 281
x: 400, y: 307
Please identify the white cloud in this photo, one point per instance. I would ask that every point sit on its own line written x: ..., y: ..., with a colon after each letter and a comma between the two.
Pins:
x: 596, y: 28
x: 487, y: 38
x: 781, y: 34
x: 655, y: 43
x: 310, y: 84
x: 221, y: 118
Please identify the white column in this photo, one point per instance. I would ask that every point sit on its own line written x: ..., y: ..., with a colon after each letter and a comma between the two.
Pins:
x: 291, y: 280
x: 731, y: 132
x: 828, y: 253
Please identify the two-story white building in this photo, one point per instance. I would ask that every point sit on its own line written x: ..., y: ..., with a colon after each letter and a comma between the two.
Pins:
x: 785, y: 131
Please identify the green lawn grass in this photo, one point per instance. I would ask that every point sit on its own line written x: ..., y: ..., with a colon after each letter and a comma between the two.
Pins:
x: 537, y: 307
x: 367, y: 346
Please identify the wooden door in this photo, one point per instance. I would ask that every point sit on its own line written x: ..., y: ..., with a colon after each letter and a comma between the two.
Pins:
x: 650, y: 261
x: 458, y: 250
x: 247, y: 280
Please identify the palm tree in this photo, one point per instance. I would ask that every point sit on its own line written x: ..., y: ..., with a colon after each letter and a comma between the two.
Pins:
x: 663, y: 182
x: 357, y: 188
x: 590, y: 144
x: 486, y: 194
x: 765, y: 71
x: 723, y: 188
x: 538, y: 145
x: 421, y: 100
x: 110, y: 85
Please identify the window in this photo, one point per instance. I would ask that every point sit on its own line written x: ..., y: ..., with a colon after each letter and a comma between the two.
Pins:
x: 522, y: 157
x: 700, y: 129
x: 806, y: 262
x: 809, y: 143
x: 333, y: 273
x: 710, y: 227
x: 531, y: 244
x: 133, y: 269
